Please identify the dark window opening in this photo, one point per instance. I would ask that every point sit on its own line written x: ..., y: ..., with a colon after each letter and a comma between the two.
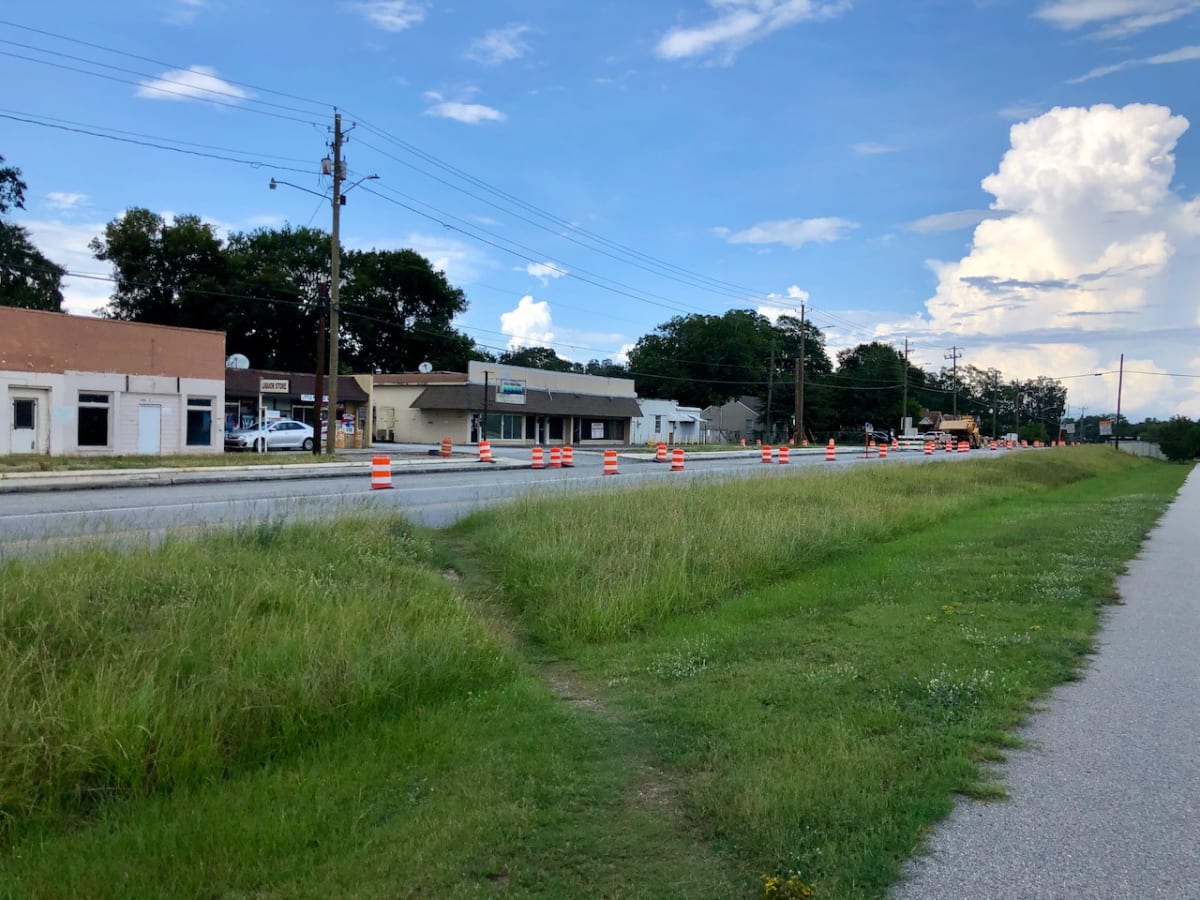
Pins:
x: 93, y: 426
x: 24, y: 413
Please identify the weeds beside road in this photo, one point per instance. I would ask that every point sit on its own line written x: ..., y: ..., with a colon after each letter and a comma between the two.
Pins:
x: 663, y: 692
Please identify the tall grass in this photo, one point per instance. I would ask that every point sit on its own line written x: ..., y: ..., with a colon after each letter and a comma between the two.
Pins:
x: 123, y: 674
x: 602, y: 567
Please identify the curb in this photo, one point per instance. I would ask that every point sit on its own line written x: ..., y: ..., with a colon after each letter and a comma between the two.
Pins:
x: 30, y: 482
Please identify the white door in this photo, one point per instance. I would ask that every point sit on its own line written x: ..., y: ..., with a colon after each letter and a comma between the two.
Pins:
x: 26, y: 419
x: 150, y: 429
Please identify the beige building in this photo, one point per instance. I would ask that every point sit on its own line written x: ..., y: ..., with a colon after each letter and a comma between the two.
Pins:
x: 88, y: 386
x: 522, y: 406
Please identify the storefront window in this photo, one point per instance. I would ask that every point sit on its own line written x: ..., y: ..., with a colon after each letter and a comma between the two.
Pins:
x: 505, y: 427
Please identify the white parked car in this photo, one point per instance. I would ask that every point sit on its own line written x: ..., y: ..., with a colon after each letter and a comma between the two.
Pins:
x: 276, y: 434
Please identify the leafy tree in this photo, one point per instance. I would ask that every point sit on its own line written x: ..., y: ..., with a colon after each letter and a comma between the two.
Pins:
x: 704, y: 360
x: 266, y: 290
x: 27, y: 278
x: 1179, y: 439
x: 399, y: 312
x: 606, y: 368
x: 870, y: 379
x: 538, y: 358
x: 167, y: 273
x: 1033, y: 431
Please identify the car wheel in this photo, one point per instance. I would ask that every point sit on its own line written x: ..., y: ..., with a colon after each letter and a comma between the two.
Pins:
x: 307, y: 445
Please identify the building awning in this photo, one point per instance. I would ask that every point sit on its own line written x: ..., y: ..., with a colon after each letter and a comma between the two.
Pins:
x: 469, y: 398
x: 245, y: 383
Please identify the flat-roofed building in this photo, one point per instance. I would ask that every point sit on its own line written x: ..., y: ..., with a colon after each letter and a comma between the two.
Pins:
x: 77, y: 385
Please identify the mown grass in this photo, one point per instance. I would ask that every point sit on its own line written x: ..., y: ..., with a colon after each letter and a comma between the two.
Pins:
x: 805, y: 692
x: 25, y: 462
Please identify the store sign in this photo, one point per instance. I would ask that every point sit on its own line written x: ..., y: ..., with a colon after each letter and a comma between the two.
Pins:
x: 273, y: 385
x: 1106, y: 428
x: 597, y: 431
x: 509, y: 390
x: 308, y: 398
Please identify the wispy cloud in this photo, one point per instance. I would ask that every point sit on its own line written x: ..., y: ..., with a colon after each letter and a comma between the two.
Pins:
x: 1183, y: 54
x: 543, y: 271
x: 791, y: 232
x: 739, y: 23
x: 460, y: 111
x: 1020, y: 111
x: 193, y: 83
x: 65, y: 200
x: 500, y: 45
x: 390, y: 15
x: 952, y: 221
x: 184, y: 12
x: 1117, y: 18
x: 869, y: 148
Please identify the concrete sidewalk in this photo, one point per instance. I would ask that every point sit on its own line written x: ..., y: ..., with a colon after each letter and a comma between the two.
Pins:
x: 1105, y: 801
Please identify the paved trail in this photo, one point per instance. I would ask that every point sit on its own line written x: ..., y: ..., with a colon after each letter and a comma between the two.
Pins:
x: 1105, y: 801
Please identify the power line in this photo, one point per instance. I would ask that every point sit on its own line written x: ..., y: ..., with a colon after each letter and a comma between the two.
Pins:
x: 556, y: 231
x: 255, y: 163
x: 148, y: 137
x: 689, y: 277
x: 157, y: 62
x: 162, y: 90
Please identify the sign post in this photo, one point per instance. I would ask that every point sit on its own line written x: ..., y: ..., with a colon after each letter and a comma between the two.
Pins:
x: 867, y: 429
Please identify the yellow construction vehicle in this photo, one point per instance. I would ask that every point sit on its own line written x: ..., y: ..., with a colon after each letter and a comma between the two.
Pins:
x: 962, y: 428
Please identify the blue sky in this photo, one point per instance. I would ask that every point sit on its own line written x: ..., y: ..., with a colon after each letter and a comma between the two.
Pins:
x: 1013, y: 177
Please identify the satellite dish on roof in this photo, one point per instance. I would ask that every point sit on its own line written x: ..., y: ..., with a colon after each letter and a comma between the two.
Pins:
x: 425, y: 368
x: 237, y: 361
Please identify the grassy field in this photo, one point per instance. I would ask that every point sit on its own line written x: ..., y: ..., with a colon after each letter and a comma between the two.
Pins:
x: 676, y: 692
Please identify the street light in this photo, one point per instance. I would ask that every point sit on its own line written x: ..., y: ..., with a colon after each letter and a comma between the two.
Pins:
x: 337, y: 200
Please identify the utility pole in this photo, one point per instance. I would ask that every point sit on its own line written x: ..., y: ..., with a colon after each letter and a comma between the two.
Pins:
x: 953, y: 355
x: 334, y: 282
x: 770, y: 433
x: 995, y: 386
x: 904, y: 406
x: 319, y: 380
x: 800, y: 381
x: 1082, y: 424
x: 1117, y: 424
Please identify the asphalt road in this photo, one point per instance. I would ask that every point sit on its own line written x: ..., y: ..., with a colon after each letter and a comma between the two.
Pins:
x: 43, y: 521
x: 1105, y: 800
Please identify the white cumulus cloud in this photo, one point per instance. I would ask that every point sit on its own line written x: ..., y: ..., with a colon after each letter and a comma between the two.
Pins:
x: 791, y: 232
x: 391, y: 15
x: 1096, y: 255
x: 192, y: 83
x: 528, y: 325
x: 739, y: 23
x: 500, y: 45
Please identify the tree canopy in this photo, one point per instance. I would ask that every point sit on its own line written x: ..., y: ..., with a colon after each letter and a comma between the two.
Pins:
x: 266, y: 289
x: 27, y: 277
